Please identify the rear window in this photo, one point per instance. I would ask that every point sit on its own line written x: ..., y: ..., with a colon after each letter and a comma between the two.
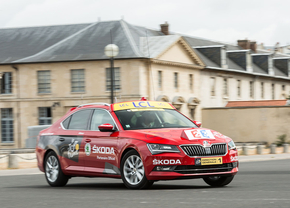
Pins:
x: 78, y: 121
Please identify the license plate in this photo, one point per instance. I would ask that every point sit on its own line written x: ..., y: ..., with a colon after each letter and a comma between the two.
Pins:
x: 209, y: 161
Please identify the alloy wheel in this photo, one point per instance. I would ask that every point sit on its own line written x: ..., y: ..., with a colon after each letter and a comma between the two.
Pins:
x: 52, y: 168
x: 133, y: 170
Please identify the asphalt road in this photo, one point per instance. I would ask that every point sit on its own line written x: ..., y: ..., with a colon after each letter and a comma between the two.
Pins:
x: 258, y: 184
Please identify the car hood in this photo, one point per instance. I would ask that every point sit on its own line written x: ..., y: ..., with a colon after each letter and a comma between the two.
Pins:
x: 177, y: 136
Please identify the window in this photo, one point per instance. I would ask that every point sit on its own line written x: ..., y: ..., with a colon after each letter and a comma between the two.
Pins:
x: 262, y: 89
x: 160, y: 80
x: 225, y: 87
x: 44, y: 116
x: 77, y: 80
x: 239, y: 88
x: 65, y: 123
x: 6, y: 83
x: 251, y: 89
x: 212, y: 86
x: 192, y: 113
x: 79, y: 120
x: 283, y: 87
x: 191, y: 82
x: 117, y: 79
x: 100, y: 117
x: 153, y: 119
x: 273, y: 91
x: 176, y: 80
x: 7, y: 125
x: 43, y: 78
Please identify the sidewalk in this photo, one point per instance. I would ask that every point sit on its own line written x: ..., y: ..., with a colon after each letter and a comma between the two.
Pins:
x: 242, y: 159
x: 252, y: 158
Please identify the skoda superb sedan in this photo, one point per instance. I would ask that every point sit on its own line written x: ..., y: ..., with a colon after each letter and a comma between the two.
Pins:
x: 138, y: 141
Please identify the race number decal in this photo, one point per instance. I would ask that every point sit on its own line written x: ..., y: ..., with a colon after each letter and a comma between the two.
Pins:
x: 199, y: 134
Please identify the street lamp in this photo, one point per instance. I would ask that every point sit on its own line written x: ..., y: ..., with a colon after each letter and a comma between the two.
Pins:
x: 111, y: 51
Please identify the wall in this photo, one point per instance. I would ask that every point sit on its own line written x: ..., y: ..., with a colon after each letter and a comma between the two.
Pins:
x: 249, y: 124
x: 219, y: 100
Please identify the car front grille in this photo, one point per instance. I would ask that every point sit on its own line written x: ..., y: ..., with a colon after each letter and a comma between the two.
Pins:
x: 192, y: 169
x: 198, y: 150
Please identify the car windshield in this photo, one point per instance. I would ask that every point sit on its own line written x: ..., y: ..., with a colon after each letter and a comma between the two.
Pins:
x: 133, y: 119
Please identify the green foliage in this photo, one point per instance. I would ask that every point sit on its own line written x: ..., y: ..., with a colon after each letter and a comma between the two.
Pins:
x: 281, y: 140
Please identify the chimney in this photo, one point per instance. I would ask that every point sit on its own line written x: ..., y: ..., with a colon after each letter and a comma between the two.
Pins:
x: 253, y: 46
x: 165, y: 28
x: 245, y: 44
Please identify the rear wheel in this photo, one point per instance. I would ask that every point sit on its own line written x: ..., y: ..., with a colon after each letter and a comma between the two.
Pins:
x: 218, y: 181
x: 133, y: 171
x: 53, y: 173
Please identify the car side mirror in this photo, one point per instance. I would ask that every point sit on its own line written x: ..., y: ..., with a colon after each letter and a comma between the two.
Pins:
x: 106, y: 127
x: 198, y: 123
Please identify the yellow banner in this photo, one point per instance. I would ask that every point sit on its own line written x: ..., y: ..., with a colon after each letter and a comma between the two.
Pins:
x: 211, y: 161
x: 141, y: 105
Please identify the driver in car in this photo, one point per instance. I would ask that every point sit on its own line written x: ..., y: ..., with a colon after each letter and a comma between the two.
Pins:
x: 148, y: 120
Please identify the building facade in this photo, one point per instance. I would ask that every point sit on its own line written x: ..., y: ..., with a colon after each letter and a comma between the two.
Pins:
x: 47, y: 70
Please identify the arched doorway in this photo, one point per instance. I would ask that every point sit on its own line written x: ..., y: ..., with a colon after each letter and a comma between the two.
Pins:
x: 192, y: 103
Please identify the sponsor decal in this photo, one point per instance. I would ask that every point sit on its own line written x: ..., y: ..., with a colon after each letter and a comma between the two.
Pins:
x: 197, y: 161
x: 103, y: 150
x: 141, y: 104
x: 166, y: 162
x: 199, y: 134
x: 218, y: 134
x: 208, y: 161
x: 105, y: 158
x: 234, y: 158
x: 88, y: 149
x: 73, y: 148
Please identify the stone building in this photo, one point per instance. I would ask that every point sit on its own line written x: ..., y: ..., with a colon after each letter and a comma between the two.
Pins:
x: 47, y: 70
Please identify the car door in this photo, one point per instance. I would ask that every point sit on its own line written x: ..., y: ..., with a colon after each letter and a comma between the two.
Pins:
x: 71, y: 139
x: 101, y: 147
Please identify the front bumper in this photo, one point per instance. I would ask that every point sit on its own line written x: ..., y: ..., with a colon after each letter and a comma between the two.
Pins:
x: 168, y: 166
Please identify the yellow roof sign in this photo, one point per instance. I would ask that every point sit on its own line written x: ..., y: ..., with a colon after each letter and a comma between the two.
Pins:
x: 141, y: 105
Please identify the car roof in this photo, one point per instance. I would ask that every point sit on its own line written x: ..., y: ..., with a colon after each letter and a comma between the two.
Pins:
x: 126, y: 105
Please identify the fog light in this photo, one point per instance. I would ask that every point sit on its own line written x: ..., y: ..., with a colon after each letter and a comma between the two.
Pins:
x: 164, y: 168
x: 235, y: 164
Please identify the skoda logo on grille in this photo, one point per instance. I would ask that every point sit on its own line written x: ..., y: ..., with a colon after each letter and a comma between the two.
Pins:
x: 206, y: 146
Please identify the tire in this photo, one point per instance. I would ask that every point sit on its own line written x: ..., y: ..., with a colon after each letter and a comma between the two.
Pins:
x: 53, y: 173
x: 133, y: 171
x: 218, y: 181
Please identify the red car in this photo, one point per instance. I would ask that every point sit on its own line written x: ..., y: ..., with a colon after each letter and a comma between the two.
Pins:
x: 138, y: 141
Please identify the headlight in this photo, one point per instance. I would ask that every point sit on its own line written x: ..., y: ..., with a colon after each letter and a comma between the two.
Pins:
x: 231, y: 145
x: 160, y: 148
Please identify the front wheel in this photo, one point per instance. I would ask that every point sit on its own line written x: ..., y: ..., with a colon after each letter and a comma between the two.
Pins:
x: 133, y: 172
x: 53, y: 172
x: 218, y: 181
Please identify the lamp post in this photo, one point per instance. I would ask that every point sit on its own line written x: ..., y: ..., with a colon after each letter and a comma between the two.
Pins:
x: 111, y: 51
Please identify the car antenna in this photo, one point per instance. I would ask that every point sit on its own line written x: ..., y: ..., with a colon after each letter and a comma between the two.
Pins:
x: 149, y: 64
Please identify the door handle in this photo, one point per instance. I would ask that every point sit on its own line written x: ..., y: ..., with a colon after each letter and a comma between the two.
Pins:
x: 88, y: 140
x: 61, y: 139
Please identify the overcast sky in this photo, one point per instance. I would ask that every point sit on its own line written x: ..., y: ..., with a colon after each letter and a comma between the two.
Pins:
x: 265, y: 21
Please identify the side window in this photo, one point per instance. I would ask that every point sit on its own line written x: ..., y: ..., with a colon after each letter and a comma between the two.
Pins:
x: 100, y: 117
x: 79, y: 120
x: 65, y: 123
